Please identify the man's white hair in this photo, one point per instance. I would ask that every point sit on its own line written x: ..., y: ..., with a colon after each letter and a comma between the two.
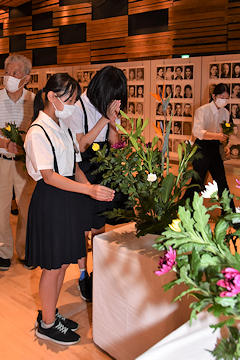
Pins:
x: 27, y: 66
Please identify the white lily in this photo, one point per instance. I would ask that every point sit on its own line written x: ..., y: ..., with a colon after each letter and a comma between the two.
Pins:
x: 152, y: 177
x: 210, y: 190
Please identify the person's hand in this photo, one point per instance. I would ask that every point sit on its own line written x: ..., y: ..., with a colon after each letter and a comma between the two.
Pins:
x: 101, y: 193
x: 227, y: 151
x: 13, y: 148
x: 222, y: 137
x: 113, y: 109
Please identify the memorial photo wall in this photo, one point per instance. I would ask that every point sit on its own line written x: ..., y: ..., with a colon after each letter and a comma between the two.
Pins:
x: 178, y: 79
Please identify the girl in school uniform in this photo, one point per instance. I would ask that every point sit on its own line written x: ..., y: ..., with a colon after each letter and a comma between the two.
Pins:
x: 94, y: 121
x: 57, y: 216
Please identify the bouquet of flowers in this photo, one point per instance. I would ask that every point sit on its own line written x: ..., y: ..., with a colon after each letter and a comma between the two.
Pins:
x: 227, y: 128
x: 142, y: 172
x: 207, y: 261
x: 12, y: 132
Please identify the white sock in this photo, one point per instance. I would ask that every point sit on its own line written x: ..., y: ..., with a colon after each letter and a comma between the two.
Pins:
x: 46, y: 326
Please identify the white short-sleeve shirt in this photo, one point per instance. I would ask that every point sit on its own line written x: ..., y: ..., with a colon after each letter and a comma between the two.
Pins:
x: 207, y: 118
x: 77, y: 120
x: 20, y: 112
x: 39, y: 154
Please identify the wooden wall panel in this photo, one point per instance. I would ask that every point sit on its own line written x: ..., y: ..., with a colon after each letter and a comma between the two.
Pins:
x: 74, y: 14
x: 149, y: 46
x: 201, y: 27
x: 4, y: 45
x: 42, y: 6
x: 13, y: 3
x: 4, y: 15
x: 111, y: 28
x: 234, y: 26
x: 137, y: 7
x: 114, y: 48
x: 16, y: 27
x: 28, y: 54
x: 74, y: 54
x: 42, y: 38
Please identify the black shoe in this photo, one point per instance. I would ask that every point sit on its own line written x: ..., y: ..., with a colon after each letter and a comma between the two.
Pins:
x: 85, y: 287
x: 72, y: 325
x: 28, y: 267
x: 4, y: 264
x: 58, y: 333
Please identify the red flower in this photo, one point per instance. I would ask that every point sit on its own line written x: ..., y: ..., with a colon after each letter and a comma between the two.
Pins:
x: 166, y: 262
x: 231, y: 282
x: 119, y: 145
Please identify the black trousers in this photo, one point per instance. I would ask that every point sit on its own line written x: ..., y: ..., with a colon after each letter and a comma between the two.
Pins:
x: 211, y: 161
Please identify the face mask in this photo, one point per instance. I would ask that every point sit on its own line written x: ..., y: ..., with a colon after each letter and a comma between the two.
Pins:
x: 11, y: 83
x: 67, y: 111
x: 221, y: 102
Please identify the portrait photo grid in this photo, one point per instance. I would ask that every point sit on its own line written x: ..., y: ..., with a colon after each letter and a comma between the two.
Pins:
x: 179, y: 83
x: 33, y: 84
x: 228, y: 73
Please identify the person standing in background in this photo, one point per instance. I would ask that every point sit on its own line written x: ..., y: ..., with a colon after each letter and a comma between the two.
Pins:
x: 209, y: 137
x: 16, y: 106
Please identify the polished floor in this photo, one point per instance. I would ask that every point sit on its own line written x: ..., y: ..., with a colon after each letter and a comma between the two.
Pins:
x: 20, y: 301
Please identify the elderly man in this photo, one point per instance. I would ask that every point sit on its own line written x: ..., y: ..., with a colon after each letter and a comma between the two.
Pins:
x: 16, y: 106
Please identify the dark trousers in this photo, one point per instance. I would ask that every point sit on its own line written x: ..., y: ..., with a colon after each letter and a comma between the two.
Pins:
x: 211, y: 161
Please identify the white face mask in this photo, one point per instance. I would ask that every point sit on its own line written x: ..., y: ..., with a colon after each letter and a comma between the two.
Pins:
x: 221, y: 102
x: 67, y: 111
x: 11, y: 83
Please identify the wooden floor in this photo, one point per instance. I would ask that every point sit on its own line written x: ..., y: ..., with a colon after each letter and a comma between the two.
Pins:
x: 19, y: 302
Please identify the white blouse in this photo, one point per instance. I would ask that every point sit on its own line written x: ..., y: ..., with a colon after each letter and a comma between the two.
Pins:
x: 207, y: 118
x: 39, y: 154
x: 77, y: 120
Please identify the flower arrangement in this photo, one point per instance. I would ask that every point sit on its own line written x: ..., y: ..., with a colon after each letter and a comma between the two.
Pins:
x: 12, y: 132
x: 227, y: 127
x: 142, y: 172
x: 207, y: 261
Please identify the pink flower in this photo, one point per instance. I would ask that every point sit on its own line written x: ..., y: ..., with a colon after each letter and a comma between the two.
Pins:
x: 231, y: 282
x: 238, y: 181
x: 166, y: 262
x: 119, y: 145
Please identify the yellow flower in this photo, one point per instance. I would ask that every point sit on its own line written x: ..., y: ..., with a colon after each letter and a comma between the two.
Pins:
x: 175, y: 225
x: 227, y: 125
x: 8, y: 128
x: 95, y: 147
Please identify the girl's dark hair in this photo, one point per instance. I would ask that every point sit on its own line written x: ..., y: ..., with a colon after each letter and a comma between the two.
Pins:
x: 107, y: 85
x: 59, y: 83
x: 220, y: 88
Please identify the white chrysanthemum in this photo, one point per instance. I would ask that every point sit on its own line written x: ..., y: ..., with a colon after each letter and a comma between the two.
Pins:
x: 152, y: 177
x: 237, y: 209
x: 210, y: 189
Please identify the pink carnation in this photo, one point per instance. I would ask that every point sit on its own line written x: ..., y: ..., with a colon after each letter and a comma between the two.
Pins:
x: 119, y: 145
x: 231, y: 282
x: 166, y: 262
x: 238, y: 181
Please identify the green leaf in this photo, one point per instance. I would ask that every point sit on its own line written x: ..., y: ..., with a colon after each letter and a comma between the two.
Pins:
x: 209, y: 260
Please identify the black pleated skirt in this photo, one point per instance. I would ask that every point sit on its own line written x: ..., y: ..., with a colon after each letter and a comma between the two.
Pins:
x: 57, y: 220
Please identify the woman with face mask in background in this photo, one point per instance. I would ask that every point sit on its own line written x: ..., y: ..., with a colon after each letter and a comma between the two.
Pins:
x: 209, y: 136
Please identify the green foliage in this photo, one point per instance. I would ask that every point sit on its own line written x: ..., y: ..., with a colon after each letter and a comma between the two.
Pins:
x: 202, y: 253
x: 151, y: 204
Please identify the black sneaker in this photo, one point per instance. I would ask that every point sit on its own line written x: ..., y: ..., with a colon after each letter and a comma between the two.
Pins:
x: 72, y: 325
x: 58, y: 333
x: 28, y: 267
x: 4, y: 264
x: 85, y: 288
